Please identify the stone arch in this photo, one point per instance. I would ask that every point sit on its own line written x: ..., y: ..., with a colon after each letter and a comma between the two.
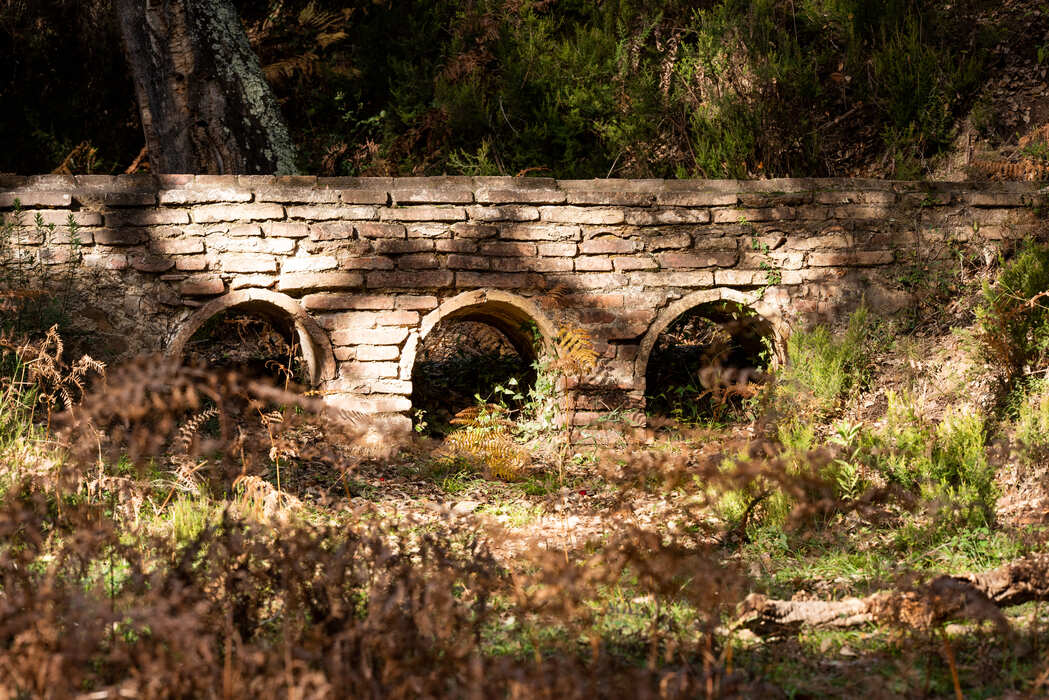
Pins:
x: 314, y: 341
x: 505, y: 311
x: 752, y: 301
x: 508, y: 313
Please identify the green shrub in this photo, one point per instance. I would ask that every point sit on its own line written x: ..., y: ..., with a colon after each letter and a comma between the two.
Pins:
x: 1013, y: 316
x: 1031, y: 423
x: 823, y: 369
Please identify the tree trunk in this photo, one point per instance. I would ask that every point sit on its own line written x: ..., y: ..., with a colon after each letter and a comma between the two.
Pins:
x: 205, y: 104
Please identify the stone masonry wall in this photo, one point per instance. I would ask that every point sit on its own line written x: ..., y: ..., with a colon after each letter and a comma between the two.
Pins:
x: 367, y: 266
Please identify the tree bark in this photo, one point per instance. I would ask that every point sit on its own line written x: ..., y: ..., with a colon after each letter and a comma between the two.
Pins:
x: 970, y: 596
x: 205, y: 104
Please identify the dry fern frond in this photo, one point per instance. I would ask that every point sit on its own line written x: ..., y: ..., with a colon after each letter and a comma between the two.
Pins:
x: 188, y: 431
x: 493, y: 448
x: 1025, y: 169
x: 576, y: 355
x: 258, y: 499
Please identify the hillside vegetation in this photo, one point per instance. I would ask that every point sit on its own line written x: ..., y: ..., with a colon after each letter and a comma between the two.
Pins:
x: 572, y: 89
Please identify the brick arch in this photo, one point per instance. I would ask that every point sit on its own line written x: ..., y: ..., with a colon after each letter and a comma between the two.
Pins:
x: 505, y: 311
x: 766, y: 312
x: 314, y: 341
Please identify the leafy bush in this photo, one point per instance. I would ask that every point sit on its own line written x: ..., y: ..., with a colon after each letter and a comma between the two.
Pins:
x: 1013, y: 316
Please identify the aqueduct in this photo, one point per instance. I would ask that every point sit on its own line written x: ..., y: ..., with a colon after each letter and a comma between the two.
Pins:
x: 365, y: 268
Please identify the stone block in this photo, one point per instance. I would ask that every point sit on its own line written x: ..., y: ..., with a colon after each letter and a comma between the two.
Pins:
x: 467, y: 262
x: 329, y: 213
x: 499, y: 280
x: 364, y: 196
x: 191, y: 263
x: 35, y: 199
x: 332, y: 231
x: 177, y: 246
x: 418, y: 261
x: 389, y: 335
x: 394, y: 246
x: 564, y: 250
x: 284, y: 229
x: 850, y: 258
x: 436, y: 213
x: 401, y: 317
x: 428, y: 231
x: 452, y: 246
x: 582, y: 215
x: 530, y: 190
x: 211, y: 213
x: 367, y: 262
x: 380, y: 230
x: 58, y: 217
x: 540, y: 232
x: 698, y: 193
x: 668, y: 241
x: 877, y: 197
x: 664, y: 278
x: 303, y: 281
x: 56, y: 255
x: 425, y: 279
x: 432, y: 190
x: 369, y: 370
x: 502, y: 248
x: 202, y: 285
x: 532, y: 264
x: 272, y: 246
x: 731, y: 216
x: 658, y: 217
x: 607, y: 245
x: 696, y: 260
x: 743, y: 278
x: 373, y: 353
x: 151, y: 263
x: 105, y: 261
x: 245, y: 230
x: 629, y: 264
x: 120, y: 236
x: 594, y: 263
x: 296, y: 195
x: 634, y: 193
x: 203, y: 195
x: 252, y: 281
x: 310, y: 263
x: 506, y: 212
x: 472, y: 230
x: 417, y: 303
x: 348, y: 301
x: 248, y: 262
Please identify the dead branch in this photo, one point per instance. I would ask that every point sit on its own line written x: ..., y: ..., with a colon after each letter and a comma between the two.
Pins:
x: 975, y: 596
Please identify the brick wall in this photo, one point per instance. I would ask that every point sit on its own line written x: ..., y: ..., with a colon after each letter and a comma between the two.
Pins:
x: 366, y: 266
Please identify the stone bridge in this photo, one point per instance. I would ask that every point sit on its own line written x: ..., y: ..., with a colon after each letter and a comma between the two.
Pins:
x: 365, y: 268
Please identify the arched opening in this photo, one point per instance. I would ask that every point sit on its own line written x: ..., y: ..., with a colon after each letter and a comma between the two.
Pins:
x: 479, y: 347
x: 260, y: 333
x: 255, y: 341
x: 706, y: 361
